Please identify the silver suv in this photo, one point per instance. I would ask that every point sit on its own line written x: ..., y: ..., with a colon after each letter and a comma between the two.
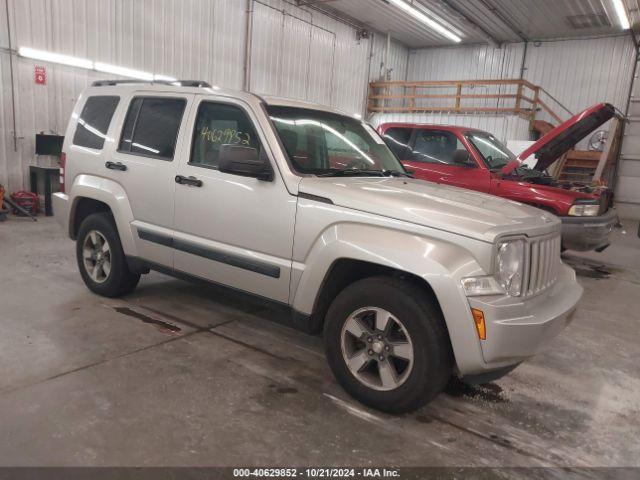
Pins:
x: 410, y: 281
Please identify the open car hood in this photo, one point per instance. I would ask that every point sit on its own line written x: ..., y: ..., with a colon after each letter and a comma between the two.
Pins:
x: 563, y: 137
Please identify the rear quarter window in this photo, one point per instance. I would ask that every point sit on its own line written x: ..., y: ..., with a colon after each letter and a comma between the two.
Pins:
x: 94, y: 120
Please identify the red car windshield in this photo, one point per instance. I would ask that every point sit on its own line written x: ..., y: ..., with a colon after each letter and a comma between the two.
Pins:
x: 495, y: 155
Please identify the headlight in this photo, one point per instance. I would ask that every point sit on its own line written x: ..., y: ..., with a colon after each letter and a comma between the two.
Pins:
x: 510, y: 266
x: 585, y: 209
x: 487, y: 285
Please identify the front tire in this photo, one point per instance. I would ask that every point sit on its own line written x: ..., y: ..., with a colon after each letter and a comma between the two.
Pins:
x: 387, y: 344
x: 101, y: 260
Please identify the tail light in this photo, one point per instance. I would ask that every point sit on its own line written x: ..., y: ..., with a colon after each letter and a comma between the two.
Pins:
x: 63, y: 164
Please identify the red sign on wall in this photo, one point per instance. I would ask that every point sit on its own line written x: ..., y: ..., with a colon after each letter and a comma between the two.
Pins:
x: 40, y: 75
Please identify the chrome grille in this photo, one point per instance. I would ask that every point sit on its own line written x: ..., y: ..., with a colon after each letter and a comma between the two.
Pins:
x: 544, y: 260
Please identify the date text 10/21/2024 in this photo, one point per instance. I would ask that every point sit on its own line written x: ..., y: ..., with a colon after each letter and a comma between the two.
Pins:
x: 316, y: 472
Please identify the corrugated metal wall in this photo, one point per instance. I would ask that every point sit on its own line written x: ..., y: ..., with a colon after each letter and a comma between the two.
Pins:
x: 578, y: 73
x: 296, y: 53
x: 398, y: 59
x: 628, y: 186
x: 466, y: 62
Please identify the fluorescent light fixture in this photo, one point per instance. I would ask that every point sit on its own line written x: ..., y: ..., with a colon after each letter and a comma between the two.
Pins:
x: 90, y: 65
x: 55, y: 58
x: 164, y: 78
x: 622, y: 14
x: 123, y: 71
x: 418, y: 15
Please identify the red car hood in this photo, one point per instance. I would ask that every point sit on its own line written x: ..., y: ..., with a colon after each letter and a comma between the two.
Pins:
x: 564, y: 137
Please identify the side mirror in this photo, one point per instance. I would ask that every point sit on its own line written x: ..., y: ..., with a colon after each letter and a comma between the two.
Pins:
x: 244, y: 161
x: 462, y: 158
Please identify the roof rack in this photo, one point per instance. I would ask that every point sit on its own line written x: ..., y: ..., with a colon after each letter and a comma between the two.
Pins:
x: 177, y: 83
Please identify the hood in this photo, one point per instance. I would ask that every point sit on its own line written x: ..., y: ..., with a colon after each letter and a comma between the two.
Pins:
x: 564, y: 137
x: 465, y: 212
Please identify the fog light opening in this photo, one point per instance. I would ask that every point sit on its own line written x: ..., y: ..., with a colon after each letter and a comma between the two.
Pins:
x: 481, y: 327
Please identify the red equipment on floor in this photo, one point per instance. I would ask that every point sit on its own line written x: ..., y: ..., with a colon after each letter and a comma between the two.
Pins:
x: 27, y: 200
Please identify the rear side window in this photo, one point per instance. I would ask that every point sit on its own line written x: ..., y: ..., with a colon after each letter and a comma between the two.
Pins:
x: 435, y: 146
x: 397, y: 139
x: 94, y: 121
x: 220, y: 124
x: 151, y: 127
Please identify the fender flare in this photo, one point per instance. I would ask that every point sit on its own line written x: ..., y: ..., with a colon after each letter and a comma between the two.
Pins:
x: 113, y: 195
x: 439, y: 263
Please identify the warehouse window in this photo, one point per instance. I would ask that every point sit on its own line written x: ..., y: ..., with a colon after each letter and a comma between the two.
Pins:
x: 435, y: 146
x: 397, y: 139
x: 220, y: 124
x: 94, y: 121
x: 151, y: 127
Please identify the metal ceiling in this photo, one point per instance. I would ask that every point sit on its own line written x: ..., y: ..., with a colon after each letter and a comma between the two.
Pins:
x: 486, y: 21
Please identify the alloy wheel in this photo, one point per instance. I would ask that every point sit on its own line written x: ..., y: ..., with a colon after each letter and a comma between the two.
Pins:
x: 377, y: 348
x: 96, y: 255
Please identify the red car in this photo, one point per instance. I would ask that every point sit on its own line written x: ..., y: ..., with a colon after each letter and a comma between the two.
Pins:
x: 475, y: 159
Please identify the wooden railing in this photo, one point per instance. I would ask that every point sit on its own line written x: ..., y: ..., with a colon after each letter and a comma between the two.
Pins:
x: 510, y: 96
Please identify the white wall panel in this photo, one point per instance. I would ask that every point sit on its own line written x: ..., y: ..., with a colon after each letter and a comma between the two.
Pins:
x: 398, y: 59
x: 580, y: 73
x: 9, y: 166
x: 628, y: 181
x: 471, y: 62
x: 351, y: 64
x: 320, y: 67
x: 466, y: 62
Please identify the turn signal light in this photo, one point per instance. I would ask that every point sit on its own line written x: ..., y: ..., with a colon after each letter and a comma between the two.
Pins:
x: 478, y: 318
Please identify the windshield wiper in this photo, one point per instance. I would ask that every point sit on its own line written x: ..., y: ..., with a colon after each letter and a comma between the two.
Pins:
x: 350, y: 172
x: 336, y: 172
x: 397, y: 173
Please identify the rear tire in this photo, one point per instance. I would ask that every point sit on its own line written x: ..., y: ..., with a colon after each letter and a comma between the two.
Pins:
x: 397, y: 365
x: 101, y: 260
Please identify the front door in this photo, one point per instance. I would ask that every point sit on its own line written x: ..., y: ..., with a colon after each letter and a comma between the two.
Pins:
x: 430, y: 156
x: 230, y: 229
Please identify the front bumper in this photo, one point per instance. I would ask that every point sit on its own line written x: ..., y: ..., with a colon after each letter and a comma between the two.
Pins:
x: 517, y: 328
x: 588, y: 233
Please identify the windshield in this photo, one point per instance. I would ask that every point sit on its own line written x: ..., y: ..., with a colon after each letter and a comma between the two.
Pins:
x: 494, y: 154
x: 329, y: 144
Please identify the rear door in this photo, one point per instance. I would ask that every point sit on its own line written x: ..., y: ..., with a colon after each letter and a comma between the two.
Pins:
x: 230, y: 229
x: 430, y: 156
x: 144, y: 163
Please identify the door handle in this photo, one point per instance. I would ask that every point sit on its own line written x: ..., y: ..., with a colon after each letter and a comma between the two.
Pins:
x: 191, y: 181
x: 116, y: 166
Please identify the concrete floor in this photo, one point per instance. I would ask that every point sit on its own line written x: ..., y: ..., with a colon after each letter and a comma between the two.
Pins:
x: 182, y: 374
